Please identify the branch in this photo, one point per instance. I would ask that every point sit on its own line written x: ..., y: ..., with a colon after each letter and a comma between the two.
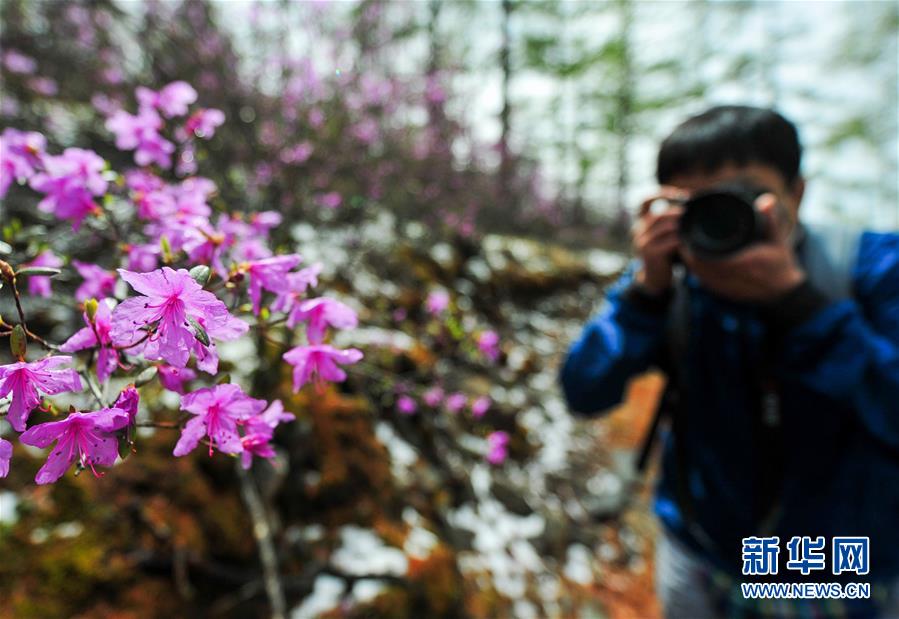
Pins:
x: 274, y: 588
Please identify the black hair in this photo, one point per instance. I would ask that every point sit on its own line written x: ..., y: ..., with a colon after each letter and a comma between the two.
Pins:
x: 735, y: 134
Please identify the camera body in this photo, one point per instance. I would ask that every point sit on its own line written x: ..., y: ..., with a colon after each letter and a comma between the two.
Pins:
x: 722, y: 220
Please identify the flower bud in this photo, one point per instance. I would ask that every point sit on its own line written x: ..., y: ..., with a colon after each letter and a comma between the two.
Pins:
x: 201, y: 274
x: 18, y: 343
x: 90, y: 308
x: 6, y: 271
x: 166, y: 249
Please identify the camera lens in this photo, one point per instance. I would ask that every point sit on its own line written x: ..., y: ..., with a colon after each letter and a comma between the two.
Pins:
x: 720, y: 222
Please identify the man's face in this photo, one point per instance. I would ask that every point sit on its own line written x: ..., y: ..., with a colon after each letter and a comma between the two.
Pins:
x: 788, y: 196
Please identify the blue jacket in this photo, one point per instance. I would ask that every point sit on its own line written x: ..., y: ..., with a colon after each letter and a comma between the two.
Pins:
x: 838, y: 374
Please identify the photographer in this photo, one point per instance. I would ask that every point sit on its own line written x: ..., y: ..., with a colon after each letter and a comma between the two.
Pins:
x: 781, y: 347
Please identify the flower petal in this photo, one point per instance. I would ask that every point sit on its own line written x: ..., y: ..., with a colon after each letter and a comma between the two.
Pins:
x: 190, y: 436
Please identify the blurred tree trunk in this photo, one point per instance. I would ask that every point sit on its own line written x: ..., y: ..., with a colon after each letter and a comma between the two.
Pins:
x: 505, y: 179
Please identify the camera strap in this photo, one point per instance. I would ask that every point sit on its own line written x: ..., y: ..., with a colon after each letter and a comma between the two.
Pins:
x: 827, y: 254
x: 673, y: 407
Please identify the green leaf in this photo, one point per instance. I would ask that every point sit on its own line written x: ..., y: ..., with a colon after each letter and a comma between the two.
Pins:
x: 146, y: 376
x: 199, y: 331
x: 42, y: 271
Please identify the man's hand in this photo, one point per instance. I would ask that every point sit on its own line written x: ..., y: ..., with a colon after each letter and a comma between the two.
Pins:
x: 656, y: 240
x: 760, y: 273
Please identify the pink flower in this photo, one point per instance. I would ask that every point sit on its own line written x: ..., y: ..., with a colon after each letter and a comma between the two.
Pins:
x: 480, y: 407
x: 330, y: 200
x: 207, y: 245
x: 320, y: 313
x: 456, y: 402
x: 437, y: 302
x: 256, y: 444
x: 17, y: 62
x: 488, y: 344
x: 434, y: 91
x: 175, y: 304
x: 320, y: 360
x: 141, y: 134
x: 172, y: 100
x: 263, y: 221
x: 296, y: 284
x: 43, y: 86
x: 270, y: 274
x: 297, y: 154
x: 98, y: 282
x: 128, y: 401
x: 259, y: 431
x: 433, y: 397
x: 26, y: 380
x: 218, y: 410
x: 143, y: 258
x: 20, y: 156
x: 39, y: 285
x: 86, y: 437
x: 366, y: 130
x: 5, y: 455
x: 203, y: 123
x: 270, y: 418
x: 173, y: 378
x: 70, y: 182
x: 96, y: 335
x: 498, y: 447
x: 406, y: 405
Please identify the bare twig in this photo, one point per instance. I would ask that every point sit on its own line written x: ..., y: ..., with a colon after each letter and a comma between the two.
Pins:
x: 262, y: 531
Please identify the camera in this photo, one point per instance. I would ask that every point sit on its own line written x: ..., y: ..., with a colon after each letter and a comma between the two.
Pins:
x: 722, y: 220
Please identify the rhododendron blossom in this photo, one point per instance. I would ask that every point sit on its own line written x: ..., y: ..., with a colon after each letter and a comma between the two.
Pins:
x: 217, y: 412
x: 259, y: 431
x: 98, y: 282
x: 96, y: 335
x: 270, y: 274
x: 406, y: 405
x: 128, y: 401
x: 488, y: 344
x: 85, y: 437
x: 26, y: 381
x: 320, y: 361
x: 172, y: 100
x: 140, y: 133
x: 178, y: 310
x: 5, y: 456
x: 295, y: 286
x: 70, y: 182
x: 20, y: 156
x: 39, y: 285
x: 480, y: 407
x: 437, y: 302
x: 455, y: 402
x: 497, y: 447
x: 173, y: 378
x: 319, y: 313
x: 203, y: 123
x: 17, y: 62
x: 433, y: 397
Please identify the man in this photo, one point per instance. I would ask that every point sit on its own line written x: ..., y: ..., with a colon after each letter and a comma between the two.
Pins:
x: 785, y: 399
